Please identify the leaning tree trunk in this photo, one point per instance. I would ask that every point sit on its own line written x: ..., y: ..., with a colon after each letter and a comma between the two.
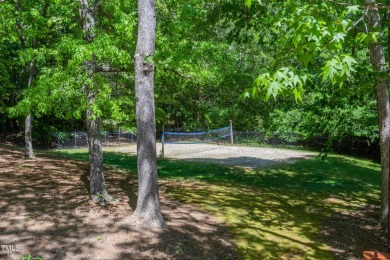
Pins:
x: 28, y: 122
x: 98, y: 190
x: 148, y: 204
x: 378, y: 62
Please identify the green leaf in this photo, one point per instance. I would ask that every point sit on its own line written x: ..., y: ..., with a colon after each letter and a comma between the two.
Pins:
x: 329, y: 70
x: 281, y: 74
x: 305, y: 58
x: 297, y: 95
x: 349, y: 60
x: 352, y: 9
x: 248, y: 3
x: 273, y: 89
x: 361, y: 37
x: 345, y: 23
x: 338, y: 37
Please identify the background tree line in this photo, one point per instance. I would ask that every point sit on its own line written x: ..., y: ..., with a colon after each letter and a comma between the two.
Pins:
x: 208, y: 55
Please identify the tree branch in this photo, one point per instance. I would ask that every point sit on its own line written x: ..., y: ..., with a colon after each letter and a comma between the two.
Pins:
x: 19, y: 25
x: 106, y: 68
x: 358, y: 21
x: 360, y: 6
x: 360, y: 29
x: 179, y: 73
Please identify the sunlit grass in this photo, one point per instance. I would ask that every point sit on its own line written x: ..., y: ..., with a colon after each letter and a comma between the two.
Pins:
x: 273, y: 213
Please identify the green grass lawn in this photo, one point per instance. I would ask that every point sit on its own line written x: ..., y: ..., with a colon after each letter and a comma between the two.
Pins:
x: 275, y: 212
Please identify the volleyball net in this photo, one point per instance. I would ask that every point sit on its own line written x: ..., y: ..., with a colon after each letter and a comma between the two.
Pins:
x: 212, y: 136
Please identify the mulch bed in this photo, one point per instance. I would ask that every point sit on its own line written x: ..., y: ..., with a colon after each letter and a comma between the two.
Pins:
x: 349, y: 234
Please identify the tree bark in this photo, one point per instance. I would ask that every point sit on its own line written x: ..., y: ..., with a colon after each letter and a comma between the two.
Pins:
x: 148, y: 203
x: 28, y: 122
x: 98, y: 190
x: 378, y: 63
x: 87, y: 15
x: 388, y: 37
x: 28, y: 137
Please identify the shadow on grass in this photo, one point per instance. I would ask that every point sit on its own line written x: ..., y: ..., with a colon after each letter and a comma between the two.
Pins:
x: 249, y: 162
x: 45, y: 209
x: 275, y: 212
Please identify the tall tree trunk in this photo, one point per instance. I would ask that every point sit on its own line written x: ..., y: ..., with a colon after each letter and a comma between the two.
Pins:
x: 378, y: 62
x: 148, y: 204
x: 98, y: 190
x: 28, y: 122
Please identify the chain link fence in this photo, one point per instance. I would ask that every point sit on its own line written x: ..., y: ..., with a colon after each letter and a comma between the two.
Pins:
x: 80, y: 139
x: 348, y: 145
x: 257, y: 138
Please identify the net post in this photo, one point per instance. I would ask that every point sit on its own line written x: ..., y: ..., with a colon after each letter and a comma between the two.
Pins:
x: 231, y: 132
x: 162, y: 143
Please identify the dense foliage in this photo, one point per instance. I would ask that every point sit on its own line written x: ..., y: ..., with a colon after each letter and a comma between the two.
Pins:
x: 215, y: 61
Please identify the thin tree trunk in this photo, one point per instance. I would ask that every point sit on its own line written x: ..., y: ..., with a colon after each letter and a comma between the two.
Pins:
x: 388, y: 36
x: 148, y: 204
x: 378, y: 62
x: 28, y: 122
x: 28, y: 136
x: 98, y: 190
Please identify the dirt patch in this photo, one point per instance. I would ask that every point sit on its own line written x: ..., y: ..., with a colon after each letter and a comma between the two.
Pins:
x: 238, y: 156
x: 45, y: 211
x: 348, y: 234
